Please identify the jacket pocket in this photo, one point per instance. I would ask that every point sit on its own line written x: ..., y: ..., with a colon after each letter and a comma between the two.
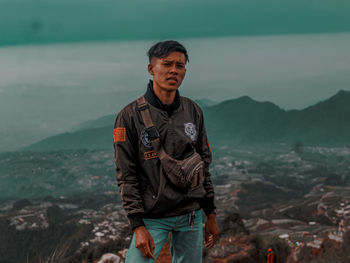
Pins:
x: 198, y: 192
x: 168, y: 200
x: 196, y: 189
x: 149, y: 199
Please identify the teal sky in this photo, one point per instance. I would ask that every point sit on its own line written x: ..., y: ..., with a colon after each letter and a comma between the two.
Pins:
x: 63, y: 62
x: 47, y: 21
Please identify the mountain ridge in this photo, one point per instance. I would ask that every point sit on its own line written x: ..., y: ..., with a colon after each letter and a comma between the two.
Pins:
x: 242, y: 120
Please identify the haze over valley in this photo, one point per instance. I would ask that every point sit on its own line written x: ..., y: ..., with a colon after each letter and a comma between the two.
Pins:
x: 51, y: 89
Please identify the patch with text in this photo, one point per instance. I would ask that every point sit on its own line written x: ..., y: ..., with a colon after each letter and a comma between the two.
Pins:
x: 150, y: 155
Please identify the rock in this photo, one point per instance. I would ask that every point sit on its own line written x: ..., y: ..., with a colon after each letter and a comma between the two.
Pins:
x: 110, y: 258
x: 99, y: 234
x: 233, y: 225
x: 232, y: 249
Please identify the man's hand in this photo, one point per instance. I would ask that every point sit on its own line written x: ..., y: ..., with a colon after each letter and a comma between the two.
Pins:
x: 144, y: 242
x: 211, y: 231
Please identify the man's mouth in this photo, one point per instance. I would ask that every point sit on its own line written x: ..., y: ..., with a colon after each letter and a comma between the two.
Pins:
x: 175, y: 79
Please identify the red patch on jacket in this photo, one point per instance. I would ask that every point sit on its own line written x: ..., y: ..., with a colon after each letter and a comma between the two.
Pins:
x: 119, y: 135
x: 150, y: 155
x: 208, y: 145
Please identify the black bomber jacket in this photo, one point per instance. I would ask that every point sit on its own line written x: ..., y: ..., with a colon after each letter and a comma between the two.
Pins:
x: 143, y: 186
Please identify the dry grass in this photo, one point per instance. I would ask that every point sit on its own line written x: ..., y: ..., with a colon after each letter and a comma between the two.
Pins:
x: 59, y: 255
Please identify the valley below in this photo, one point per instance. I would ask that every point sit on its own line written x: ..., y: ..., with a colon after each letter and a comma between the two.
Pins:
x: 64, y: 206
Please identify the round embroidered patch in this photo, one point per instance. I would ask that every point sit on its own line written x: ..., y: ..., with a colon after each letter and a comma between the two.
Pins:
x: 190, y: 130
x: 145, y: 138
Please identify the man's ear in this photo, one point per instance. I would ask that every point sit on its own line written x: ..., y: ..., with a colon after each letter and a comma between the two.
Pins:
x: 150, y: 69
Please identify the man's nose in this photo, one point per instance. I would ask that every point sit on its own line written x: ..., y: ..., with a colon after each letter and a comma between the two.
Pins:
x: 174, y: 69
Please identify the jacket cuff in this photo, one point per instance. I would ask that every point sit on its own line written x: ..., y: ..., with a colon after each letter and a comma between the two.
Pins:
x: 136, y: 220
x: 208, y: 205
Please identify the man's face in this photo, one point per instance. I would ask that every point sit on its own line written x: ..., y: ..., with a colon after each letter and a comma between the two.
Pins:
x: 168, y: 72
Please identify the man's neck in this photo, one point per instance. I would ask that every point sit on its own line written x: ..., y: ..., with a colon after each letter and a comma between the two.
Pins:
x: 166, y: 97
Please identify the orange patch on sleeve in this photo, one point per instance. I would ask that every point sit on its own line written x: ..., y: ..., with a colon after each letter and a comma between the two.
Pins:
x: 119, y: 135
x: 208, y: 145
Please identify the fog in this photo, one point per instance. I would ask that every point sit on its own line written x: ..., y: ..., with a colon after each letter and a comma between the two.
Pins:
x: 48, y: 89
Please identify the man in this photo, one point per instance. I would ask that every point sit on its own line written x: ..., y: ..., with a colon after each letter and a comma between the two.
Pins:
x: 154, y: 205
x: 270, y: 256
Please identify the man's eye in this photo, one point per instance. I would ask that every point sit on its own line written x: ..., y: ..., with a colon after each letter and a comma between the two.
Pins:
x: 166, y: 64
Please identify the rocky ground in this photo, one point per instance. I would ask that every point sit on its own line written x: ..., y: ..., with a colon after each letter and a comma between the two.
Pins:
x: 296, y: 201
x: 39, y: 229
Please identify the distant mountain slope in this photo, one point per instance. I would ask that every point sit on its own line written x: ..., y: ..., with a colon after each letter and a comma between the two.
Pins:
x: 104, y: 121
x: 243, y: 120
x: 327, y: 121
x: 93, y: 138
x: 238, y: 121
x: 108, y: 120
x: 206, y: 102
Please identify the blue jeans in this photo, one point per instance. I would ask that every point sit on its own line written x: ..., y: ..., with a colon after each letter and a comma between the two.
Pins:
x: 186, y: 243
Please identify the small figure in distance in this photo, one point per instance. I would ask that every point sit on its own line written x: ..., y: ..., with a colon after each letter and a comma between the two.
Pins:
x: 270, y: 256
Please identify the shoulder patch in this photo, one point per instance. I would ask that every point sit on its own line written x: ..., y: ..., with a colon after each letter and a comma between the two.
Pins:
x: 119, y: 135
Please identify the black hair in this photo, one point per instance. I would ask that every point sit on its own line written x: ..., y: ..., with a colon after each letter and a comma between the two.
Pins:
x: 164, y: 48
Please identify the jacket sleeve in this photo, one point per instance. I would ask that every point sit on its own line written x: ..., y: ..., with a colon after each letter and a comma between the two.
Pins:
x: 203, y: 148
x: 125, y: 158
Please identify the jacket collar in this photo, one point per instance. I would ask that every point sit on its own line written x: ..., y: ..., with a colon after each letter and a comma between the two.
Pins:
x: 152, y: 99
